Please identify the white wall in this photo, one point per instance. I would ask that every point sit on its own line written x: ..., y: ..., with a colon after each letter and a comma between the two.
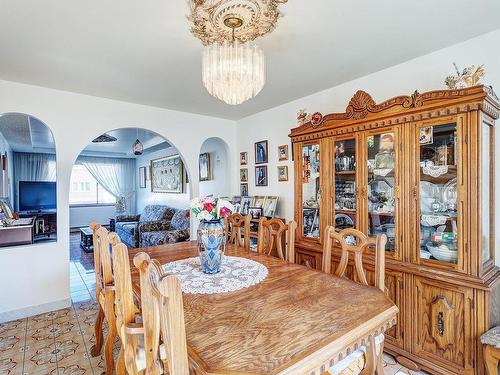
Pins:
x: 36, y: 278
x: 145, y: 196
x: 81, y: 216
x: 219, y: 184
x: 424, y: 74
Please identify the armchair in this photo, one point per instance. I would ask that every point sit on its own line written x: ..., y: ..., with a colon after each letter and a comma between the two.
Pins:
x: 153, y: 218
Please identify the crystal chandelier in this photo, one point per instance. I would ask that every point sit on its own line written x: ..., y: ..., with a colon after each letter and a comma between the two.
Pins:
x: 233, y: 67
x: 233, y: 72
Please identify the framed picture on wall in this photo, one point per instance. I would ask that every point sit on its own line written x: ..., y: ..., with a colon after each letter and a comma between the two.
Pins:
x: 244, y: 190
x: 167, y: 175
x: 142, y: 177
x: 243, y: 158
x: 261, y: 176
x: 204, y: 167
x: 261, y: 155
x: 283, y: 152
x: 283, y: 173
x: 244, y: 174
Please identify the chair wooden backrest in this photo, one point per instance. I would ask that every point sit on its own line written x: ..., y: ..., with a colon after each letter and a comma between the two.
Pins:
x: 355, y: 242
x: 162, y: 316
x: 238, y: 230
x: 271, y: 232
x: 102, y: 256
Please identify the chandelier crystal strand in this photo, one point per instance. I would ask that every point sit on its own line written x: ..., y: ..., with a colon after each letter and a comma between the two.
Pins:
x: 233, y: 72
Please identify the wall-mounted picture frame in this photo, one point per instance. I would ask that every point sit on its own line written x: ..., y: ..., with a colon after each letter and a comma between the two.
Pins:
x: 244, y: 190
x: 261, y: 175
x: 142, y: 177
x: 270, y: 206
x: 255, y: 212
x: 283, y: 152
x: 282, y: 173
x: 244, y: 174
x: 167, y: 174
x: 204, y: 167
x: 243, y: 158
x: 261, y: 152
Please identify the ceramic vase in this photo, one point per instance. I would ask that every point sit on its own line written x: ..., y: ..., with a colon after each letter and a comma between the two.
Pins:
x: 211, y: 245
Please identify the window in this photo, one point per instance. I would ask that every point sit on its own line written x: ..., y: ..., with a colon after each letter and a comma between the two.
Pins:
x: 86, y: 190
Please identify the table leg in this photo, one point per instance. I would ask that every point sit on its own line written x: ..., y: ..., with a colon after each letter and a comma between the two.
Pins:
x: 491, y: 359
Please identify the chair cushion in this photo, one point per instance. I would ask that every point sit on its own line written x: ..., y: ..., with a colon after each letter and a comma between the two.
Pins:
x: 354, y: 363
x: 180, y: 220
x: 127, y: 227
x: 155, y: 238
x: 156, y: 212
x: 492, y: 337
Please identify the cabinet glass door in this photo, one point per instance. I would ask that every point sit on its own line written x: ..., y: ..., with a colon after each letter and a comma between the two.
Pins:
x: 311, y: 191
x: 345, y: 184
x: 382, y: 187
x: 438, y: 192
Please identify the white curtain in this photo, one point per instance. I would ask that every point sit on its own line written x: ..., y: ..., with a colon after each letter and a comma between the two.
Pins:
x: 116, y: 175
x: 32, y: 167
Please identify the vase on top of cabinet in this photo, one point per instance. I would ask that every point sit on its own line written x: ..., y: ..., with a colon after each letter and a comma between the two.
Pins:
x: 419, y: 169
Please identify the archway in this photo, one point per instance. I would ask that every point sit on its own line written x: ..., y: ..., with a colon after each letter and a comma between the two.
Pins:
x: 28, y: 189
x: 214, y: 167
x: 140, y: 190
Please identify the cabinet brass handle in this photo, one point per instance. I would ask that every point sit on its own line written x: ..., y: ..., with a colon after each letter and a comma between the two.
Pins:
x: 440, y: 323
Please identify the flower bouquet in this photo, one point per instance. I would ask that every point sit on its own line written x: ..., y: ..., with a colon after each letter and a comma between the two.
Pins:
x: 210, y: 236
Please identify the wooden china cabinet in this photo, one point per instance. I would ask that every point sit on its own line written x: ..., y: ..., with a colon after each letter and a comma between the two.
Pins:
x: 418, y: 168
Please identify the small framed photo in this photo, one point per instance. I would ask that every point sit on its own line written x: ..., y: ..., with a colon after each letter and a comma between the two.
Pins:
x: 426, y: 135
x: 283, y: 152
x: 244, y: 190
x: 283, y: 173
x: 261, y: 176
x: 243, y: 158
x: 244, y: 174
x: 204, y: 167
x: 255, y: 212
x: 258, y: 201
x: 246, y: 202
x: 270, y: 206
x: 261, y: 152
x: 142, y: 177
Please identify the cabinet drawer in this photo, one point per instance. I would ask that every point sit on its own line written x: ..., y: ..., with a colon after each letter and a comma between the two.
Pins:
x: 394, y: 284
x: 442, y: 324
x: 308, y: 259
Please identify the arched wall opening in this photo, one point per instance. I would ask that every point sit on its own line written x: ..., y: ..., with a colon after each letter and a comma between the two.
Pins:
x: 214, y: 168
x: 28, y: 188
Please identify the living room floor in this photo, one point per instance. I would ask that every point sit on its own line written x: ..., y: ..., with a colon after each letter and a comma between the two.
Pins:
x: 59, y: 342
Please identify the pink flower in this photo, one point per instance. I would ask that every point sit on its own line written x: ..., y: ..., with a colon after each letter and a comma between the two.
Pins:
x: 224, y: 212
x: 208, y: 207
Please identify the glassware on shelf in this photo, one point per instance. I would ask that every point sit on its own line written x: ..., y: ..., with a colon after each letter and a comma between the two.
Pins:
x: 311, y: 192
x: 381, y: 201
x: 438, y: 195
x: 345, y: 184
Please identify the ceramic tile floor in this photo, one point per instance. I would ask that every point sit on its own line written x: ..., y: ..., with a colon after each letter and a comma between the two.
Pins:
x: 59, y: 342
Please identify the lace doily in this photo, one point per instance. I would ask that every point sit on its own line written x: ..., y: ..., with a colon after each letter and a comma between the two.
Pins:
x: 236, y: 273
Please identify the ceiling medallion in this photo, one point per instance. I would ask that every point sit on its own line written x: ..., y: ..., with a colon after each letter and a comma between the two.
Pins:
x: 233, y: 66
x: 258, y: 17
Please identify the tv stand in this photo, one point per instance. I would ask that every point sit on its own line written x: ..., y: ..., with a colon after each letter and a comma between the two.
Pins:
x: 45, y: 224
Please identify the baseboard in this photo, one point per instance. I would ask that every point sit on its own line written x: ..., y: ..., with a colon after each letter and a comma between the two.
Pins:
x: 34, y: 310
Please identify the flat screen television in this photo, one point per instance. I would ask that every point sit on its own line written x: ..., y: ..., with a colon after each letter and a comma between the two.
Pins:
x: 37, y: 196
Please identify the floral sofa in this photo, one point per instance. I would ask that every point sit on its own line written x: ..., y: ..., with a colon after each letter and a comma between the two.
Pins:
x: 156, y: 225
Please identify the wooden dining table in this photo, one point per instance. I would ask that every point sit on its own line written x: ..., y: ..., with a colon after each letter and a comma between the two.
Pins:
x: 296, y: 321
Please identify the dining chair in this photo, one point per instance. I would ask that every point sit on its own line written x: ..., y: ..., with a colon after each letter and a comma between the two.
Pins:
x: 127, y: 314
x: 105, y: 294
x: 270, y: 238
x: 367, y: 359
x: 238, y: 230
x: 163, y: 319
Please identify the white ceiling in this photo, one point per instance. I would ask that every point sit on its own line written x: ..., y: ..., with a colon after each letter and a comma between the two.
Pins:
x: 143, y: 52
